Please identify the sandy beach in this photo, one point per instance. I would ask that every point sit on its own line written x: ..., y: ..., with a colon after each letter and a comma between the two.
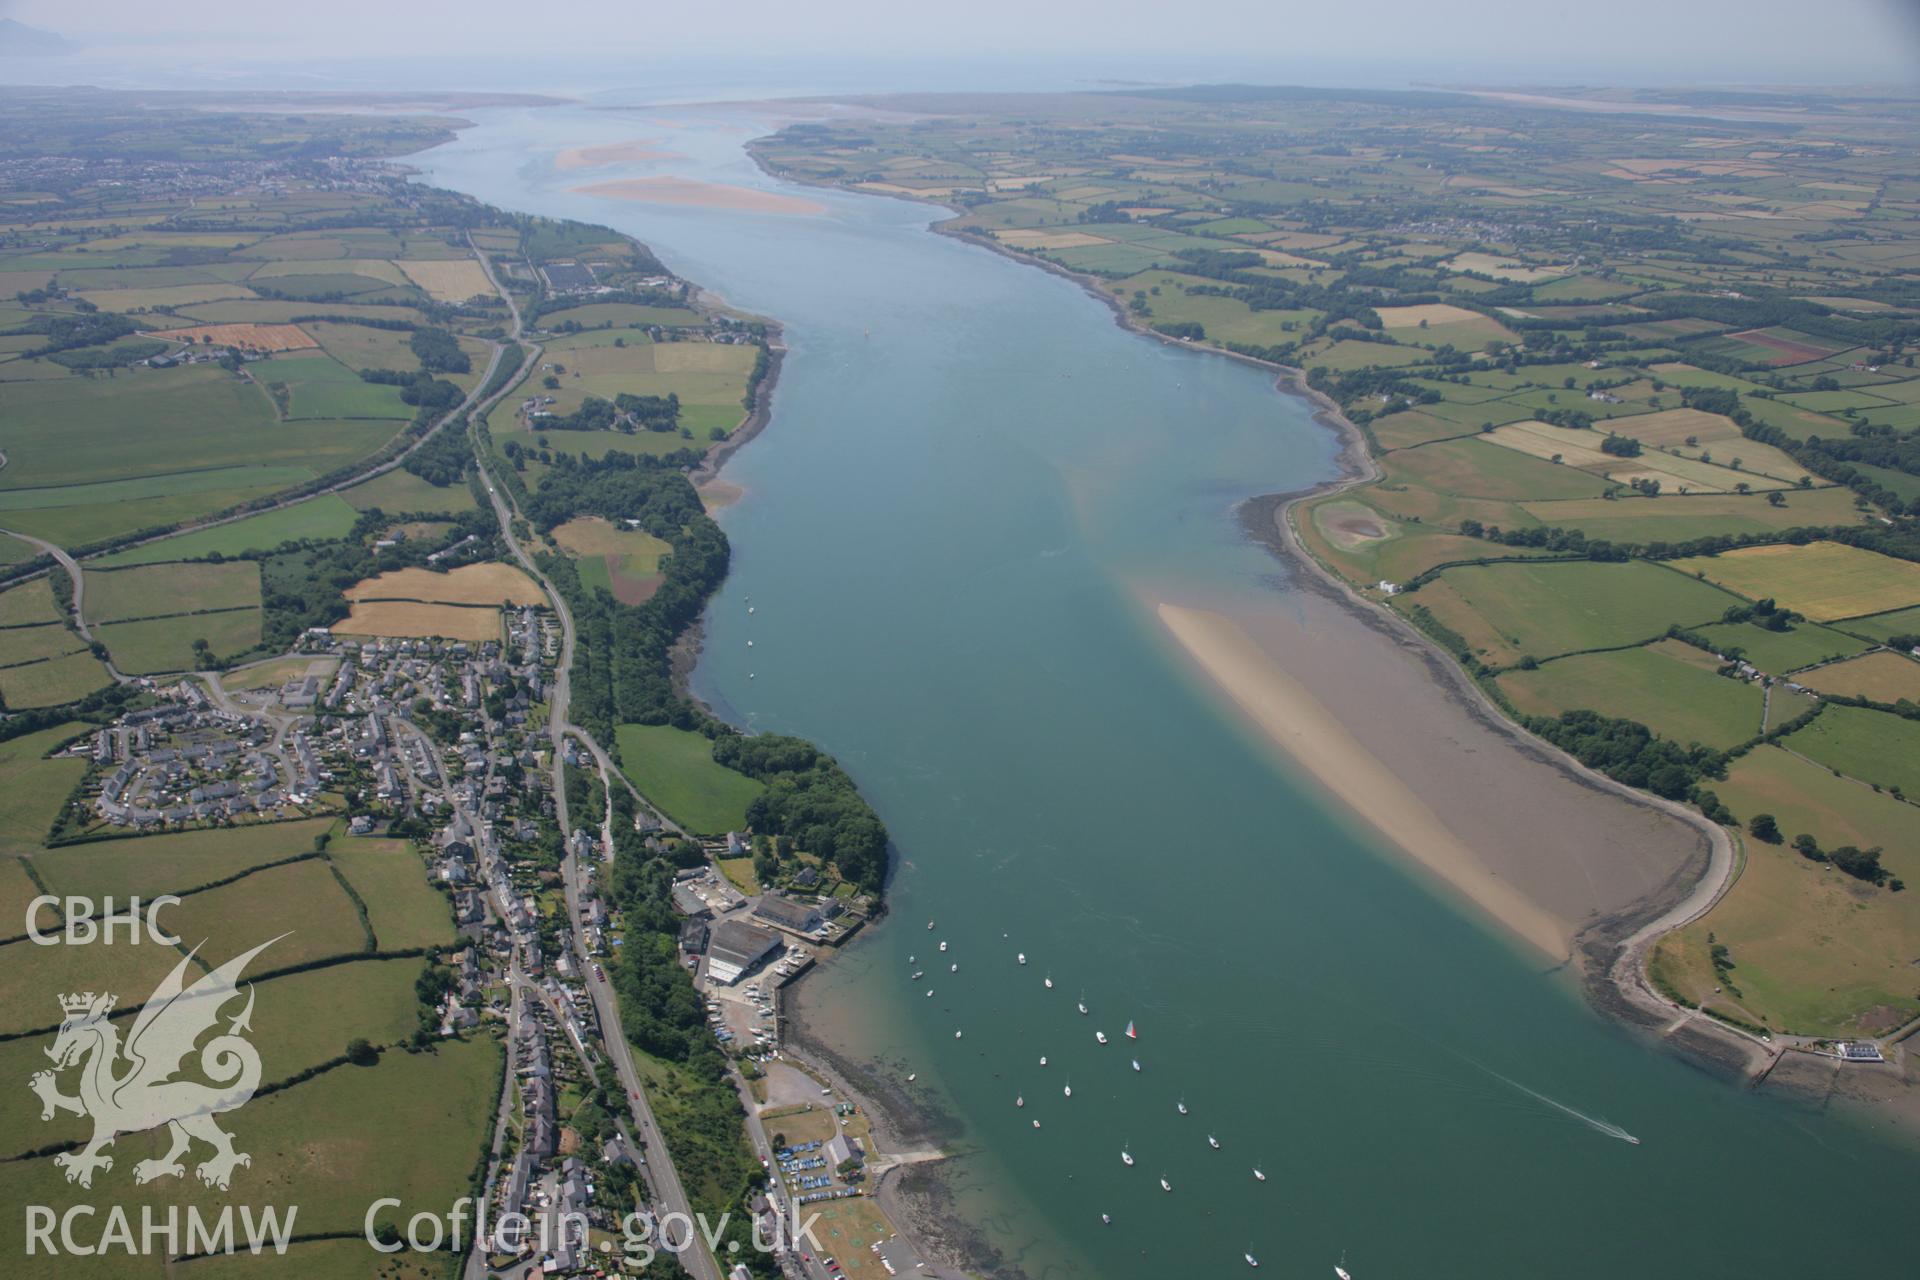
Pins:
x: 630, y: 152
x: 1368, y: 713
x: 702, y: 195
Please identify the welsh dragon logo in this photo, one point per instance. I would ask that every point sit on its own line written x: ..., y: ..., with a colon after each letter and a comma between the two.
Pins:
x: 133, y: 1087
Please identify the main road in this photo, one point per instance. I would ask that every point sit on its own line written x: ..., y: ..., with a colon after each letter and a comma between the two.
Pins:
x: 662, y: 1178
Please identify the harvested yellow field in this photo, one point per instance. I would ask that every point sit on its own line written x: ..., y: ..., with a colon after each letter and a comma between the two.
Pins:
x: 407, y: 619
x: 1574, y: 447
x: 447, y: 279
x: 1822, y: 580
x: 1432, y: 313
x: 247, y: 337
x: 1487, y: 264
x: 494, y: 584
x: 1021, y: 239
x: 1676, y: 426
x: 701, y: 357
x: 1884, y: 677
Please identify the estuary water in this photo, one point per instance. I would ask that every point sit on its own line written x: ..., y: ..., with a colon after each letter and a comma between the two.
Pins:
x: 971, y: 478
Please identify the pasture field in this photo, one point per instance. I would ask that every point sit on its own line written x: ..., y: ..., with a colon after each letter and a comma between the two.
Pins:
x: 408, y: 620
x: 1669, y: 691
x: 153, y: 645
x: 402, y: 908
x: 277, y: 311
x: 710, y: 379
x: 1882, y: 676
x: 17, y: 892
x: 318, y: 386
x: 1507, y: 611
x: 1411, y: 427
x: 1367, y: 546
x: 332, y: 1259
x: 53, y: 682
x: 31, y: 644
x: 495, y: 584
x: 1674, y: 517
x: 342, y: 1122
x: 675, y: 769
x: 173, y: 862
x: 136, y: 300
x: 14, y: 551
x: 1825, y: 581
x: 1780, y: 652
x: 28, y: 604
x: 1875, y: 747
x: 274, y: 672
x: 1473, y: 469
x: 32, y: 979
x: 154, y: 591
x: 325, y: 517
x: 300, y: 899
x: 1884, y: 626
x: 400, y: 492
x: 32, y: 792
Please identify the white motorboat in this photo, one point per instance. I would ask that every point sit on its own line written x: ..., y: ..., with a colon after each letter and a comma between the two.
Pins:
x: 929, y: 926
x: 1049, y: 981
x: 1101, y: 1036
x: 956, y: 1035
x: 1020, y: 1101
x: 1023, y: 957
x: 912, y: 1076
x: 1136, y: 1064
x: 1043, y: 1059
x: 1181, y: 1106
x: 1213, y: 1142
x: 1106, y: 1220
x: 1126, y: 1157
x: 1069, y: 1090
x: 919, y: 974
x: 943, y: 944
x: 1036, y: 1124
x: 953, y: 968
x: 1259, y: 1174
x: 1165, y: 1185
x: 1251, y: 1260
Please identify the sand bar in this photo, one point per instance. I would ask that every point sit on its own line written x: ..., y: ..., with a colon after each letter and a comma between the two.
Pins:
x: 633, y: 151
x: 702, y: 195
x: 1502, y: 820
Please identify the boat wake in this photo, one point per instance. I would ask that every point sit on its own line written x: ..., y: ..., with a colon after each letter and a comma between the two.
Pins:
x: 1592, y: 1122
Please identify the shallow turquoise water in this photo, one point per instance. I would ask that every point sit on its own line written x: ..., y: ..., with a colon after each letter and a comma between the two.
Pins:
x: 970, y: 472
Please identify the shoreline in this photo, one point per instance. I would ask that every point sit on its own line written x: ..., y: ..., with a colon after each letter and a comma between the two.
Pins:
x: 1610, y: 950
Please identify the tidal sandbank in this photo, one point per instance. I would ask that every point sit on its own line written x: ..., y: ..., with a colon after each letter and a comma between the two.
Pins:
x: 701, y: 195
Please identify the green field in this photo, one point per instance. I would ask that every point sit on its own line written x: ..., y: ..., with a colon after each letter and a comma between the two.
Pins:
x: 400, y: 492
x: 166, y: 644
x: 29, y: 603
x: 1815, y: 951
x: 325, y: 517
x: 595, y: 315
x: 1873, y: 746
x: 1473, y: 469
x: 53, y: 682
x: 1683, y: 517
x: 402, y: 908
x: 1778, y: 652
x: 318, y: 386
x: 1884, y: 626
x: 174, y: 862
x: 301, y: 900
x: 156, y: 591
x: 31, y: 644
x: 675, y: 769
x: 1665, y: 686
x: 32, y: 792
x: 1506, y: 611
x: 342, y: 1122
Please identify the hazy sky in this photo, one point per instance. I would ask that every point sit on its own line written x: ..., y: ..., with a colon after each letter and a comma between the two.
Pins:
x: 1533, y: 41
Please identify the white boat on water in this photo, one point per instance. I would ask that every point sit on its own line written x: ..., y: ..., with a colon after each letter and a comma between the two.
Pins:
x: 1259, y: 1174
x: 1036, y: 1124
x: 1126, y: 1157
x: 953, y: 968
x: 1049, y: 982
x: 1083, y: 1003
x: 912, y: 1076
x: 943, y: 944
x: 1043, y: 1059
x: 956, y: 1035
x: 919, y: 974
x: 1165, y: 1185
x: 1213, y: 1142
x: 1131, y: 1033
x: 1023, y: 957
x: 1136, y: 1064
x: 1181, y: 1106
x: 929, y: 926
x: 1106, y: 1220
x: 929, y: 993
x: 1020, y: 1101
x: 1069, y: 1090
x: 1101, y: 1036
x: 1251, y: 1260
